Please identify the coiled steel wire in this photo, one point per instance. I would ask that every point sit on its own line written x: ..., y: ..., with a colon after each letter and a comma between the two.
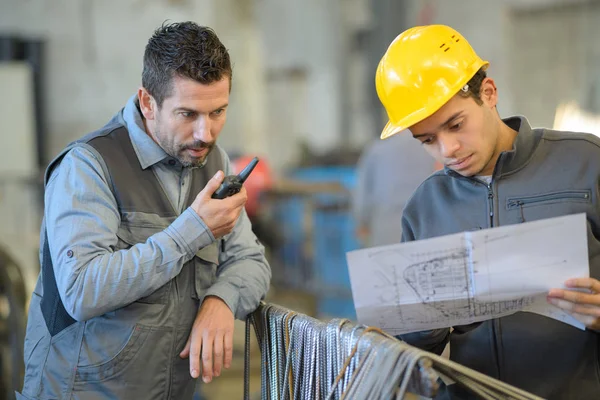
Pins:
x: 304, y: 358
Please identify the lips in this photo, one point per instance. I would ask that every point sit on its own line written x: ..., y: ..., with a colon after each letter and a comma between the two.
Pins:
x: 198, y: 152
x: 460, y: 162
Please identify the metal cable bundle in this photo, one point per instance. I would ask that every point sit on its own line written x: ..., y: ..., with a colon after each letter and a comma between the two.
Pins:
x: 304, y: 358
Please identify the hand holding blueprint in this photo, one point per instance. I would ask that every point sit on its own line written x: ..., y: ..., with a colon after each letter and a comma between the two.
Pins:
x: 469, y: 277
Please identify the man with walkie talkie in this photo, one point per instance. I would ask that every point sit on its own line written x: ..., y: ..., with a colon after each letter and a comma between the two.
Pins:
x: 147, y: 253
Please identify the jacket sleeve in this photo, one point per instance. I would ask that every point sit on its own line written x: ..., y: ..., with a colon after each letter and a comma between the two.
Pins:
x: 82, y: 219
x: 434, y: 340
x: 243, y: 274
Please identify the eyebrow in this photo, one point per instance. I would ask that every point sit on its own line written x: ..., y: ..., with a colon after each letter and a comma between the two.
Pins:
x: 191, y: 110
x: 452, y: 117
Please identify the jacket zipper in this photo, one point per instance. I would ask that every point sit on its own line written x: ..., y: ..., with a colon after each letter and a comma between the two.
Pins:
x: 491, y: 204
x: 572, y: 194
x: 490, y: 194
x: 494, y: 324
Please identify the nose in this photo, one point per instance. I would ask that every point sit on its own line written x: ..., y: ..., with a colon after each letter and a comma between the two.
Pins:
x: 202, y: 129
x: 449, y: 145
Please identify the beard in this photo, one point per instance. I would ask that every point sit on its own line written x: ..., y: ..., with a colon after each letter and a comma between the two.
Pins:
x: 182, y: 152
x: 187, y: 159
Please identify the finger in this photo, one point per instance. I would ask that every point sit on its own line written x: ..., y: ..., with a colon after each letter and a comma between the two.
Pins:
x: 195, y: 347
x: 575, y: 296
x: 238, y: 199
x: 207, y: 358
x: 213, y: 184
x: 584, y: 283
x: 186, y: 350
x: 228, y: 348
x: 575, y: 308
x: 243, y: 192
x: 218, y: 354
x: 588, y: 320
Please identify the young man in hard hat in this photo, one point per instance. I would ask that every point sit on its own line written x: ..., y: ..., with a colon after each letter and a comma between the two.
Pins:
x: 432, y: 83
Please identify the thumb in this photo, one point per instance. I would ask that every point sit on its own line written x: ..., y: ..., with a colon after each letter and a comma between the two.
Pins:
x: 186, y: 350
x: 213, y: 184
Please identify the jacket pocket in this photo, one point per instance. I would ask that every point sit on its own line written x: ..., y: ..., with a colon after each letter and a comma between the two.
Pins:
x: 205, y: 262
x: 119, y: 362
x: 583, y: 196
x: 554, y: 204
x: 139, y: 370
x: 128, y: 236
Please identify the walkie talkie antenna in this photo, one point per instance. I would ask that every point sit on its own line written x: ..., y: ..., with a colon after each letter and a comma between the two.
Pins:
x: 243, y: 175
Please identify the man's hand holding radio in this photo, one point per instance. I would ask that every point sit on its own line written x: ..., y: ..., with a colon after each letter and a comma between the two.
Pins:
x: 219, y: 215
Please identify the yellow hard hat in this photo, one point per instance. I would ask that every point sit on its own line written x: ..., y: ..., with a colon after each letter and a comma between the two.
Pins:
x: 422, y: 69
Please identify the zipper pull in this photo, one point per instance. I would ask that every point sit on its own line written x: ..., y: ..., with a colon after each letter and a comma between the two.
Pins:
x: 520, y: 204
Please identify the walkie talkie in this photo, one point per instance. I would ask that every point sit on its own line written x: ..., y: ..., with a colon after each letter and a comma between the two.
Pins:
x: 232, y: 184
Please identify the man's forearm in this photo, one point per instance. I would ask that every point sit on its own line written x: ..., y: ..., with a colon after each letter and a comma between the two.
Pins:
x: 242, y: 286
x: 244, y: 274
x: 94, y: 283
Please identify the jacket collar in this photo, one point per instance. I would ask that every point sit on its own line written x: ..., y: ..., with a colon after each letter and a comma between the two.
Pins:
x: 523, y: 148
x: 147, y: 151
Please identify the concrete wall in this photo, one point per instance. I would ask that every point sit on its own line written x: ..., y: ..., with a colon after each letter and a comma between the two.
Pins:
x: 555, y: 59
x: 303, y: 59
x: 92, y: 69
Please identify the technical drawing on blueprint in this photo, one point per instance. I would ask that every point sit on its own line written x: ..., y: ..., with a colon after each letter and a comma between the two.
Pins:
x: 468, y: 277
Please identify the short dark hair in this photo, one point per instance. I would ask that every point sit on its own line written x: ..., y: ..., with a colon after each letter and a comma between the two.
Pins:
x: 474, y: 86
x: 183, y: 49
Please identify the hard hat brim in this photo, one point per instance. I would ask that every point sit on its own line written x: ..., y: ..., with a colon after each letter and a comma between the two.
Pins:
x: 419, y: 115
x: 390, y: 130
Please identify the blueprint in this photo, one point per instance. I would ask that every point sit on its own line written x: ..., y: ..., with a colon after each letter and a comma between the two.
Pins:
x: 469, y: 277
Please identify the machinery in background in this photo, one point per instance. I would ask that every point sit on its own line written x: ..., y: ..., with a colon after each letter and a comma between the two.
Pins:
x: 13, y: 299
x: 315, y: 229
x: 259, y: 182
x: 303, y: 218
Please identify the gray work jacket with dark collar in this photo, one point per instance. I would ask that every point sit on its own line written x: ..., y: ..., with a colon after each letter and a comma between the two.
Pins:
x: 125, y: 264
x: 547, y: 174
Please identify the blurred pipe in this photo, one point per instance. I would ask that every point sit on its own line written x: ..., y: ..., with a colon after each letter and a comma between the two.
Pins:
x: 343, y: 82
x: 34, y: 54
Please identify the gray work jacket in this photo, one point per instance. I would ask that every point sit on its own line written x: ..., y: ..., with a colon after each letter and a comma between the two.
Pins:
x: 546, y: 174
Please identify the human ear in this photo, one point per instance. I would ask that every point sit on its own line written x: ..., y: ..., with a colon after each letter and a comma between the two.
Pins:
x: 489, y: 93
x: 147, y: 103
